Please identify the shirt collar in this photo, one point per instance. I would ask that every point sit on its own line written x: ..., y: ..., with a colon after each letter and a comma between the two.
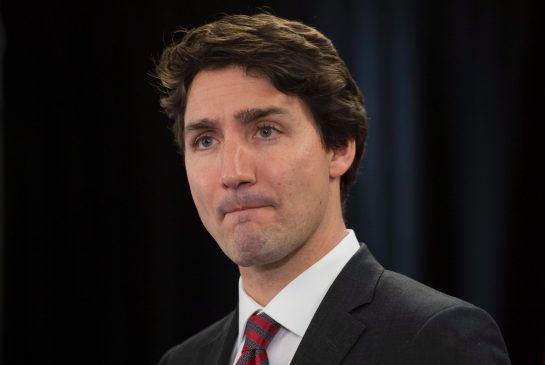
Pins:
x: 294, y: 306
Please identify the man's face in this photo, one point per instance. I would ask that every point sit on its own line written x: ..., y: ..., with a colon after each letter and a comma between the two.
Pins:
x: 257, y: 169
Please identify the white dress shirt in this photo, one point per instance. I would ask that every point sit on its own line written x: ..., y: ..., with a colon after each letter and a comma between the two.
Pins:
x: 295, y: 305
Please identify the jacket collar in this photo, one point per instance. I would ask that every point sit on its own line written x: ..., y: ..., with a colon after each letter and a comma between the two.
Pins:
x: 334, y: 330
x: 218, y: 350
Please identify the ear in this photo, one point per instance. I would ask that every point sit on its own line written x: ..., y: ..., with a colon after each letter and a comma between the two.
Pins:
x: 341, y: 159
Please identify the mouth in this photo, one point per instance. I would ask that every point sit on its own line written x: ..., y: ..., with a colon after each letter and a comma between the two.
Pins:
x: 242, y: 214
x: 243, y: 208
x: 244, y: 205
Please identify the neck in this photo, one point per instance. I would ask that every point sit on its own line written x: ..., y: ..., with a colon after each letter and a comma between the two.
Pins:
x: 263, y: 283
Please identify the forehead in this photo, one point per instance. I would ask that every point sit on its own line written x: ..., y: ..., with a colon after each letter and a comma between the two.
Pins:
x: 218, y: 93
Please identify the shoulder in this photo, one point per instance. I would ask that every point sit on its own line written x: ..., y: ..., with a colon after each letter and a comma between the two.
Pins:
x: 459, y: 334
x: 408, y: 305
x: 434, y: 327
x: 408, y: 295
x: 377, y: 293
x: 188, y: 351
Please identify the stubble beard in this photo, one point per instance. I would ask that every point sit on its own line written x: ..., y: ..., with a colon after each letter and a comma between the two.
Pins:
x: 254, y: 247
x: 257, y: 247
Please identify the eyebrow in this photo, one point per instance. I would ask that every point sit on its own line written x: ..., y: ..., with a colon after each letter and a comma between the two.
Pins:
x: 250, y: 115
x: 201, y: 124
x: 244, y: 116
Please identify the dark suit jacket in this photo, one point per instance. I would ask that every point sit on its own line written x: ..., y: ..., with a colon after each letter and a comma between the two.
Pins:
x: 371, y: 316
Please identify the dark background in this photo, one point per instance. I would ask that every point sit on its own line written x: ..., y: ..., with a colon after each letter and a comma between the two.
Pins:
x: 103, y: 258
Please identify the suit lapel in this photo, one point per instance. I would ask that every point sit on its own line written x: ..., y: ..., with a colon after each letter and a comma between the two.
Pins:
x: 220, y: 347
x: 334, y: 330
x: 330, y: 335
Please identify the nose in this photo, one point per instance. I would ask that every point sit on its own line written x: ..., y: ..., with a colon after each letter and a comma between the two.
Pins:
x: 237, y: 167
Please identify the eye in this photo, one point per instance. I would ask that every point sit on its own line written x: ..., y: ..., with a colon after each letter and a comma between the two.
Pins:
x: 266, y: 132
x: 204, y: 142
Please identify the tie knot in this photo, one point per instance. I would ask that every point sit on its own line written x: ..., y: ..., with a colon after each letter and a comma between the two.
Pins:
x: 260, y: 330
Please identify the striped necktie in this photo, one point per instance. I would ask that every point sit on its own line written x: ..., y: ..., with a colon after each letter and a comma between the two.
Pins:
x: 260, y: 329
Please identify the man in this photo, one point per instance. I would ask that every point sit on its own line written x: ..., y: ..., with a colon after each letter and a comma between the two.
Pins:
x: 272, y: 128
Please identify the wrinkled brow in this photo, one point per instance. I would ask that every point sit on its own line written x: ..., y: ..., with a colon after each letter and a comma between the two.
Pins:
x: 250, y: 115
x: 244, y: 116
x: 200, y: 124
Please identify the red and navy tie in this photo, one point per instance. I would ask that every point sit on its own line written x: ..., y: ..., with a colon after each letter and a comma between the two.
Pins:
x: 260, y: 330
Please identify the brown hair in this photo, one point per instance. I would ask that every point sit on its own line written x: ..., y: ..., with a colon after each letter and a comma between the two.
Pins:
x: 297, y: 59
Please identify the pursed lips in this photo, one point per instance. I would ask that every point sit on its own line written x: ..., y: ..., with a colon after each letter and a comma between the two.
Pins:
x: 241, y: 208
x: 244, y: 202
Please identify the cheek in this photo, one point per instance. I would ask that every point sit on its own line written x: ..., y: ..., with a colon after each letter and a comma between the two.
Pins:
x: 200, y: 185
x: 300, y: 174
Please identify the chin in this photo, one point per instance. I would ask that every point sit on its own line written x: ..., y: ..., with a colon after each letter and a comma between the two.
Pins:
x: 253, y: 246
x: 255, y: 261
x: 248, y: 254
x: 250, y: 251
